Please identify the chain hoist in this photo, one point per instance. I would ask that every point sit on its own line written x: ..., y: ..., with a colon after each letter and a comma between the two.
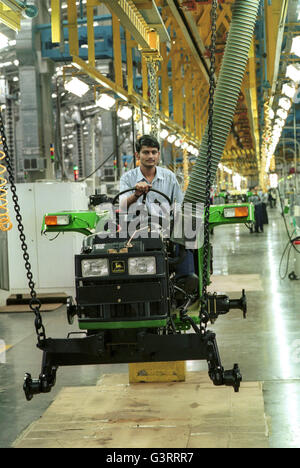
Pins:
x: 35, y: 303
x: 206, y: 245
x: 153, y: 65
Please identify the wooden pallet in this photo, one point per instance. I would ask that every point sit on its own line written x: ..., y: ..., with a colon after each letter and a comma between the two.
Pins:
x: 22, y: 308
x: 189, y: 414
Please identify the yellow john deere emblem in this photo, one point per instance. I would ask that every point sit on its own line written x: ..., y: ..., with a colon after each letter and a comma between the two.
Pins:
x: 118, y: 267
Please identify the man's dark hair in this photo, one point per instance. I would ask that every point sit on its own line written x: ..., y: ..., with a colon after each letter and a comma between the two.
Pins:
x: 147, y: 140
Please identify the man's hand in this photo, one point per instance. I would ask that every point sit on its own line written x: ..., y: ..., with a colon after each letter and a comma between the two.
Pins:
x: 141, y: 188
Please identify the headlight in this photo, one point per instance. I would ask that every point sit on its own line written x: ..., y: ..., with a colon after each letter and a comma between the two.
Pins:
x: 142, y: 266
x: 94, y: 267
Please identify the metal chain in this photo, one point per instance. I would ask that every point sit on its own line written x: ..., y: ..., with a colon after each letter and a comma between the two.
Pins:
x: 35, y: 303
x: 152, y: 71
x: 206, y: 245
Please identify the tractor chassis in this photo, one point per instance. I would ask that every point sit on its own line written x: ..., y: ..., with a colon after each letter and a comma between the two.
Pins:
x: 91, y: 350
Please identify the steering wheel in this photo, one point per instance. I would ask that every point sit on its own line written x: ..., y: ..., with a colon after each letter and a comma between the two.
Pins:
x: 144, y: 200
x: 144, y: 196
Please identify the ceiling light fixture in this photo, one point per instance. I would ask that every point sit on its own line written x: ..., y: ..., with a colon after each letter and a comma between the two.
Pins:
x: 296, y: 46
x: 285, y: 103
x: 288, y: 90
x: 282, y: 113
x: 76, y: 86
x: 125, y: 113
x: 105, y: 101
x: 171, y: 138
x: 293, y: 72
x: 164, y: 133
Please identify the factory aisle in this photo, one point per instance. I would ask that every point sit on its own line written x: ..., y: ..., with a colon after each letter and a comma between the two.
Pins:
x: 266, y: 345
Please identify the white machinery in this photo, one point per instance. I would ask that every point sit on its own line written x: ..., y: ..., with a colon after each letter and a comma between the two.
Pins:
x: 52, y: 262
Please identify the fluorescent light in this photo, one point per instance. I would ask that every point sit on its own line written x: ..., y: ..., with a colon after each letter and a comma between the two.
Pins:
x: 289, y: 90
x: 77, y: 87
x: 125, y: 113
x: 274, y: 180
x: 296, y: 46
x: 172, y: 138
x: 236, y: 179
x: 4, y: 41
x: 277, y: 132
x: 293, y: 72
x: 280, y: 123
x: 105, y: 101
x: 226, y: 169
x: 282, y: 113
x: 285, y: 103
x: 271, y: 114
x: 178, y: 143
x: 164, y: 133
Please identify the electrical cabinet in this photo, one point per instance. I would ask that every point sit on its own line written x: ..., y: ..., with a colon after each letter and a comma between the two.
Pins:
x: 51, y: 257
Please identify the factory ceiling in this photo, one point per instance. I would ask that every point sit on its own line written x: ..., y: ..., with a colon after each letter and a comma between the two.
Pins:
x: 109, y: 45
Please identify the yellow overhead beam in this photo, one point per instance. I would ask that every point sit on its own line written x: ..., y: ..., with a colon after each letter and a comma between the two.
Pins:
x: 98, y: 77
x: 55, y: 21
x: 272, y: 14
x: 253, y: 100
x: 11, y: 19
x: 91, y: 33
x: 73, y: 28
x: 133, y: 21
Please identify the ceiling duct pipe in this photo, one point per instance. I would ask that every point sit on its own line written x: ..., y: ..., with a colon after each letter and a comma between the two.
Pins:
x: 226, y: 95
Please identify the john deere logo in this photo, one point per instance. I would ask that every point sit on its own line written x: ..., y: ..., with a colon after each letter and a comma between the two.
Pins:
x: 118, y: 267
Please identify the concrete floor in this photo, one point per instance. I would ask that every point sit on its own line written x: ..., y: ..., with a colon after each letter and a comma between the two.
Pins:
x: 266, y: 345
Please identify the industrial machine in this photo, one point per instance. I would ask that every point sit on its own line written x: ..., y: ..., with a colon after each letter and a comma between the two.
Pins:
x: 130, y: 304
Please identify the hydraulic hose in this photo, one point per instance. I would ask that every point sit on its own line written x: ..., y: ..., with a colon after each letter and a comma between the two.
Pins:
x: 226, y: 95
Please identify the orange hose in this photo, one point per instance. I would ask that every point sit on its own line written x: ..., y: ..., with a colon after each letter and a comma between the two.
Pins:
x: 5, y: 223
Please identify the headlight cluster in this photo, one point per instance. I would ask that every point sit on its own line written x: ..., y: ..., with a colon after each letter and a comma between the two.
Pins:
x: 100, y: 266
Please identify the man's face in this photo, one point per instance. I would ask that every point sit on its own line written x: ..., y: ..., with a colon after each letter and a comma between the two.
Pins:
x: 148, y: 157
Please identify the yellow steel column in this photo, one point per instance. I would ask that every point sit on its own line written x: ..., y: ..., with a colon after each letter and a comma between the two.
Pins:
x: 117, y: 50
x: 189, y: 98
x: 73, y: 28
x: 90, y: 29
x: 129, y: 62
x: 145, y: 79
x: 177, y: 88
x: 253, y: 98
x: 164, y: 81
x: 272, y: 14
x: 55, y: 20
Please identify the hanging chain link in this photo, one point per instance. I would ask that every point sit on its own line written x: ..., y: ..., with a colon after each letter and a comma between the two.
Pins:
x: 35, y: 303
x: 152, y: 71
x: 206, y: 245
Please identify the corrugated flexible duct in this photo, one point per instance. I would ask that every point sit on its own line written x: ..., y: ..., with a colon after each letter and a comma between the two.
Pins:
x: 226, y: 95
